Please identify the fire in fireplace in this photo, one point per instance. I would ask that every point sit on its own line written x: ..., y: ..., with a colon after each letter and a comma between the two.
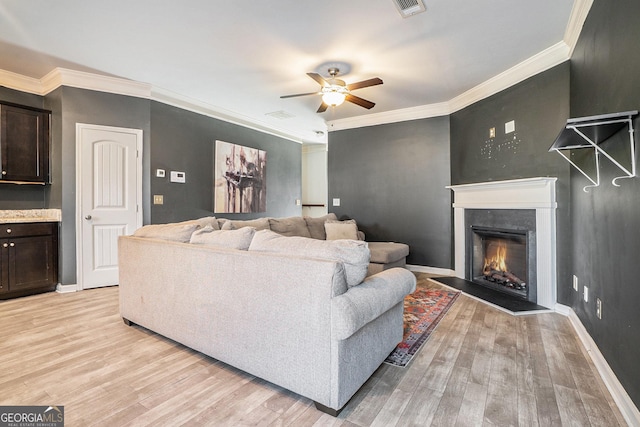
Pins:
x: 499, y: 260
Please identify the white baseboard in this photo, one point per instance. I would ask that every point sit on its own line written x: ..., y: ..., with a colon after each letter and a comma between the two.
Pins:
x: 64, y: 289
x: 625, y: 404
x: 431, y: 270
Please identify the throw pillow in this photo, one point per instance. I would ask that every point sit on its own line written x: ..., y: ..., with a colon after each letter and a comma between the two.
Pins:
x: 174, y: 232
x: 337, y: 230
x: 293, y: 226
x: 203, y: 222
x: 316, y: 225
x: 258, y: 224
x: 354, y: 254
x: 231, y: 239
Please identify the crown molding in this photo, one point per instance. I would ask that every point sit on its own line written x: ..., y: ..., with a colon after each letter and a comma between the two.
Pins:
x: 20, y: 82
x: 579, y: 14
x: 79, y: 79
x: 536, y: 64
x: 401, y: 115
x: 83, y: 80
x: 190, y: 104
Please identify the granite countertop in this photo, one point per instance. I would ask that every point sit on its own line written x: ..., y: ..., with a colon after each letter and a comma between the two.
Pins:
x: 30, y: 215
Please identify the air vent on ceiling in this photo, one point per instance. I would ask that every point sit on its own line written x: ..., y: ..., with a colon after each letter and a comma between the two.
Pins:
x: 409, y: 7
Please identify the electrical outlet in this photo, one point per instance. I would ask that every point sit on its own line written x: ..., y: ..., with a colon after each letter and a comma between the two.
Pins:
x: 492, y: 133
x: 575, y: 283
x: 599, y: 308
x: 586, y: 294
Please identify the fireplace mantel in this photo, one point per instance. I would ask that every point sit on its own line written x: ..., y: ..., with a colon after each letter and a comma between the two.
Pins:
x: 528, y: 193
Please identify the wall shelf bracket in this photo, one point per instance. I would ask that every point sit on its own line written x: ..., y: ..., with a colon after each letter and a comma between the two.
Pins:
x: 589, y: 133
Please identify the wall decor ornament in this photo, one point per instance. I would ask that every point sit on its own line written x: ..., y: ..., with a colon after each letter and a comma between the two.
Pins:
x: 240, y: 184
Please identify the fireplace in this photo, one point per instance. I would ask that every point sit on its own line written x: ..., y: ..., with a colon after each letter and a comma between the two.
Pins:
x: 519, y: 212
x: 498, y: 260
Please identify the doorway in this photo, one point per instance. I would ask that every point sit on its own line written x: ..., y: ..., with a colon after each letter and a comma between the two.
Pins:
x: 109, y: 198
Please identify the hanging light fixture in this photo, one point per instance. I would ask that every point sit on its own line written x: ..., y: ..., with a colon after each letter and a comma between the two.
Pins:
x: 334, y: 94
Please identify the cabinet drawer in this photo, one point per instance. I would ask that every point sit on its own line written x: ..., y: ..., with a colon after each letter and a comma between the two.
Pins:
x: 30, y: 229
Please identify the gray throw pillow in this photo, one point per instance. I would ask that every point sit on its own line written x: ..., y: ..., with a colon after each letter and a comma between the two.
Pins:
x: 174, y: 232
x: 316, y: 225
x: 203, y: 222
x: 258, y: 224
x: 354, y: 254
x: 293, y: 226
x: 231, y: 239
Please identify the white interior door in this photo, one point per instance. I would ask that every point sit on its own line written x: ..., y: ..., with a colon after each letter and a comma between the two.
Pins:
x: 109, y: 173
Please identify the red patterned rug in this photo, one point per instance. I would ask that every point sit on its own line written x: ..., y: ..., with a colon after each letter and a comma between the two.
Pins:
x: 423, y: 310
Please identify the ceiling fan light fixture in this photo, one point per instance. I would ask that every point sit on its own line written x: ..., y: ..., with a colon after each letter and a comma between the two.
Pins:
x: 334, y: 95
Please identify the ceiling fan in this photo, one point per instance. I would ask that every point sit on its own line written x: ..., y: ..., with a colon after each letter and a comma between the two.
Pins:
x: 335, y: 91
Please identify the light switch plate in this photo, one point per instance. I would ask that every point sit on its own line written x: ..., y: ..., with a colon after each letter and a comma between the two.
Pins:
x: 336, y: 202
x: 158, y: 199
x: 160, y: 173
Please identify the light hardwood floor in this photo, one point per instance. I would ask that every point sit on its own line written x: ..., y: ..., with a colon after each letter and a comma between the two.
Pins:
x: 480, y: 367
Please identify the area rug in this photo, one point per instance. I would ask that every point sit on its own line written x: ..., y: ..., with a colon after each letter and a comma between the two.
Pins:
x: 423, y: 310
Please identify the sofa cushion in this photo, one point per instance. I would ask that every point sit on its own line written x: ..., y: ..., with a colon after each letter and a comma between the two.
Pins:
x: 337, y: 230
x: 258, y: 224
x: 292, y: 226
x: 231, y: 239
x: 353, y: 254
x: 386, y: 252
x: 175, y: 232
x: 203, y: 222
x: 316, y: 225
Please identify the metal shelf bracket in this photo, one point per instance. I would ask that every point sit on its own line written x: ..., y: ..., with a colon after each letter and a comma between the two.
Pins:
x: 591, y: 132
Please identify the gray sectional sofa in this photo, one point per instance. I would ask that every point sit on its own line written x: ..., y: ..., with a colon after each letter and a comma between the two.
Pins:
x: 295, y: 311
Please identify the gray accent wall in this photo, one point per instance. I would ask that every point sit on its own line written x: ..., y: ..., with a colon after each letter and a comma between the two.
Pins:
x: 185, y: 141
x: 391, y: 179
x: 174, y: 139
x: 605, y: 70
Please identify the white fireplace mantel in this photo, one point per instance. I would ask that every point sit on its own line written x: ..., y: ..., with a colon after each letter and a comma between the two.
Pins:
x: 528, y: 193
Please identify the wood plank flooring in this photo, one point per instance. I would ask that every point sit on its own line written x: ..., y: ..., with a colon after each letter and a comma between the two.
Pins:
x: 480, y: 367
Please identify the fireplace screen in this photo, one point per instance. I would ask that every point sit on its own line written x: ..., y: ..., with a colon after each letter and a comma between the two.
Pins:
x: 499, y: 260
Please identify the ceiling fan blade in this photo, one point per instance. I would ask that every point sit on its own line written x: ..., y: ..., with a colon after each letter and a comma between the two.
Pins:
x: 365, y: 83
x: 318, y: 78
x: 323, y: 107
x: 359, y: 101
x: 301, y: 94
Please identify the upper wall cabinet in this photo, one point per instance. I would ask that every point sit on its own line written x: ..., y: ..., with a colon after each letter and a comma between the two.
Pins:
x: 24, y: 144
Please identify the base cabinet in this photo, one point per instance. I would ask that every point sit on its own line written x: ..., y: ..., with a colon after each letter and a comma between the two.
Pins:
x: 28, y: 259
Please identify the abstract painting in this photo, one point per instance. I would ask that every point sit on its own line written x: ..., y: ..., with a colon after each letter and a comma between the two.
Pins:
x: 240, y: 184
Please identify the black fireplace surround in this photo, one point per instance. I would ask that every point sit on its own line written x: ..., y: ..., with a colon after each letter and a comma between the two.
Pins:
x: 502, y: 231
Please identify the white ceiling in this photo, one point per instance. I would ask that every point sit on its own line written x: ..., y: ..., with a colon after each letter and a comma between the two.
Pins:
x: 240, y: 57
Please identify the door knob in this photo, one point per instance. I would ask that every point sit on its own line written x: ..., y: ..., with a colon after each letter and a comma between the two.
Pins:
x: 5, y: 245
x: 87, y: 217
x: 12, y: 244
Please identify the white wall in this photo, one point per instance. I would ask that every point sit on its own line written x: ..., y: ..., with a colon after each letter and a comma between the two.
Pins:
x: 314, y: 179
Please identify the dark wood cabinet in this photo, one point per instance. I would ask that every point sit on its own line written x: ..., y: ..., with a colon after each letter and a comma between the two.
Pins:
x: 24, y: 144
x: 28, y: 258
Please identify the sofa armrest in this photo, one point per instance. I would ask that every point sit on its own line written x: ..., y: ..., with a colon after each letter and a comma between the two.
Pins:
x: 363, y: 303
